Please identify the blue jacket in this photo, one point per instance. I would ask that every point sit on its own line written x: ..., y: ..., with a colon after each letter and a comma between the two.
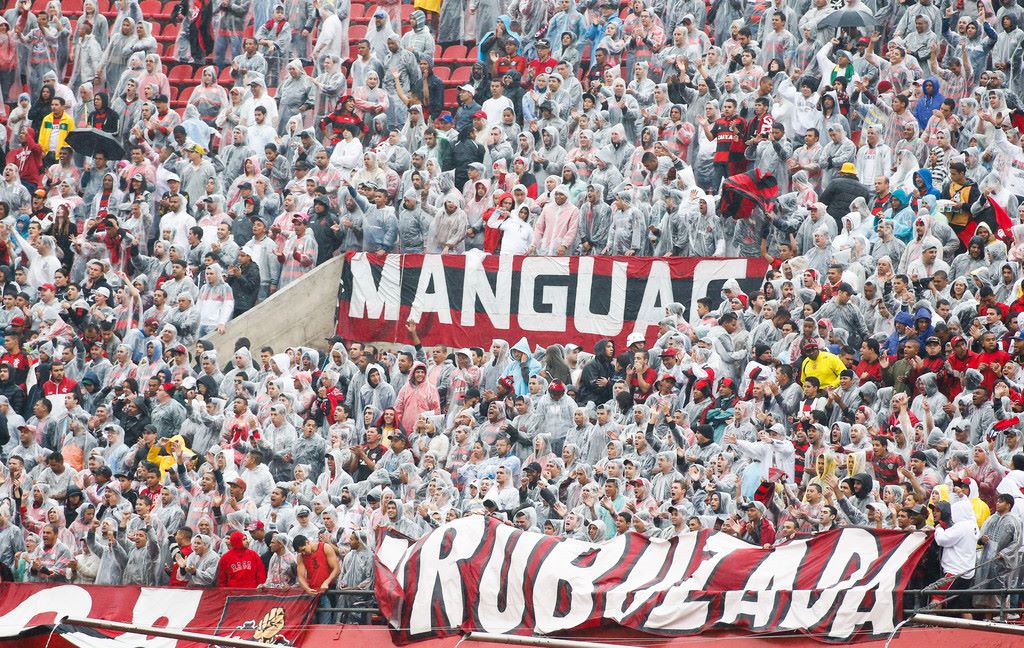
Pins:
x: 893, y: 342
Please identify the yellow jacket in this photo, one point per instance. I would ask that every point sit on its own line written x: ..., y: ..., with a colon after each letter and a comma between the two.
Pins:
x: 826, y: 368
x: 160, y: 453
x: 65, y: 125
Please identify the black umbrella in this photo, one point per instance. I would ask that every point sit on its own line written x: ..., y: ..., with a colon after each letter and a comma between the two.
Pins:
x: 89, y: 141
x: 847, y: 18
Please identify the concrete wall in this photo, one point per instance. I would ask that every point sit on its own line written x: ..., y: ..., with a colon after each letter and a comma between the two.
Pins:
x: 302, y: 314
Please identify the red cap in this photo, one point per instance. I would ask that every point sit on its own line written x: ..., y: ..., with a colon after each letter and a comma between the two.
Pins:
x: 670, y: 352
x: 168, y: 387
x: 48, y: 286
x: 479, y: 115
x: 238, y: 481
x: 557, y: 386
x: 18, y: 321
x: 957, y: 340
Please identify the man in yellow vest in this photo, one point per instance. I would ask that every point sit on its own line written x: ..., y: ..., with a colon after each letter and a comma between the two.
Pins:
x: 53, y: 132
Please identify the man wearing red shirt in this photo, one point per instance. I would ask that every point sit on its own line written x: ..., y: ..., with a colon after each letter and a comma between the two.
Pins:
x: 240, y: 566
x: 180, y: 552
x: 990, y: 361
x: 886, y: 463
x: 58, y: 382
x: 727, y: 132
x: 958, y: 362
x: 640, y: 377
x: 932, y: 362
x: 28, y: 157
x: 15, y: 357
x: 544, y: 62
x: 868, y: 369
x: 318, y: 568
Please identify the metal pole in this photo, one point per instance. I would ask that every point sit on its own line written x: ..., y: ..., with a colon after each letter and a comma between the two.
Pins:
x: 540, y: 641
x: 967, y: 624
x: 182, y: 635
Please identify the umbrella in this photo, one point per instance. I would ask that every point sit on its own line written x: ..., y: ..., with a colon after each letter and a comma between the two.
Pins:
x: 847, y: 18
x: 89, y: 141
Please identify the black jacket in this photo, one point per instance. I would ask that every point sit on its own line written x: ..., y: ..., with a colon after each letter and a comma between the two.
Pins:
x: 600, y: 367
x: 246, y: 287
x: 838, y: 195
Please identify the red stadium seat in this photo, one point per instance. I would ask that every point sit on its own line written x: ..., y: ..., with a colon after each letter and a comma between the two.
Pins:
x: 225, y: 79
x: 460, y: 75
x: 356, y: 33
x: 443, y: 73
x: 180, y: 74
x: 169, y: 34
x: 454, y: 53
x: 71, y: 8
x: 451, y: 97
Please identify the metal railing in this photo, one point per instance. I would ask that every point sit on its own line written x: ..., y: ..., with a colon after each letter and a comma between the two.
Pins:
x: 363, y: 603
x: 951, y: 598
x: 360, y: 605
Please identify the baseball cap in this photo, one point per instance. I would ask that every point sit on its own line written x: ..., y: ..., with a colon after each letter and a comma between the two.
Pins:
x: 670, y: 352
x: 48, y: 286
x: 634, y: 337
x: 254, y: 526
x: 467, y: 88
x: 933, y: 340
x: 479, y: 115
x: 302, y: 511
x: 846, y: 288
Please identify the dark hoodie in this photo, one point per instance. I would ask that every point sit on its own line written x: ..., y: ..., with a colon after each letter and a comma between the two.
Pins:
x: 435, y: 86
x: 132, y: 425
x: 866, y: 483
x: 945, y: 514
x: 41, y: 107
x: 321, y: 220
x: 514, y: 91
x: 600, y: 367
x: 15, y: 394
x: 103, y: 118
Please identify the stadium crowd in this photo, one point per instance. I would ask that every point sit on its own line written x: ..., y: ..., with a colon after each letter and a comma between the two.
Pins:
x: 876, y: 378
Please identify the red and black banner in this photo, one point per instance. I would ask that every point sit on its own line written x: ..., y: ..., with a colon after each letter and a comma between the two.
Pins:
x: 277, y: 617
x: 477, y: 574
x: 460, y: 300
